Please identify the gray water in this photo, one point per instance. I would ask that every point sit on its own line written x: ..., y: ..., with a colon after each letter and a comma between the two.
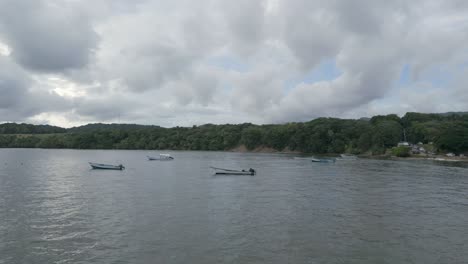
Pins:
x: 54, y: 209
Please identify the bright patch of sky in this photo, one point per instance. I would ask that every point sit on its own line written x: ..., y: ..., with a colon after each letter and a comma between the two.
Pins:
x: 228, y: 63
x: 438, y: 76
x: 405, y: 76
x: 4, y: 49
x: 327, y: 70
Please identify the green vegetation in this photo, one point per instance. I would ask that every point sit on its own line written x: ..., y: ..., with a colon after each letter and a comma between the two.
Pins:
x: 12, y: 128
x: 447, y: 132
x: 401, y: 151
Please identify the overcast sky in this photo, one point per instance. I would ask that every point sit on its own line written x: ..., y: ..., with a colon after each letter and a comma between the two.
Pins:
x: 187, y: 62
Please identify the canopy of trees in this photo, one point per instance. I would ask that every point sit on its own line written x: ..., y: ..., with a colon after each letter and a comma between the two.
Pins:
x: 448, y: 132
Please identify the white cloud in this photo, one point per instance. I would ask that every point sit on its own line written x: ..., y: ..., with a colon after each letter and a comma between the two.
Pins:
x: 149, y: 61
x: 4, y: 50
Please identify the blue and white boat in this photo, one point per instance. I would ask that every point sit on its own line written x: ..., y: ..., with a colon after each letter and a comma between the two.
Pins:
x: 162, y: 157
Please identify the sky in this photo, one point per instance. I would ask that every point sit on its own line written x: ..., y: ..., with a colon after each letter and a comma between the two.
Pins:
x: 184, y: 62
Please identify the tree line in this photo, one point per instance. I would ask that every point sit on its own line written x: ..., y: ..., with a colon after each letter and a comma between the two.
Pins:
x: 447, y: 132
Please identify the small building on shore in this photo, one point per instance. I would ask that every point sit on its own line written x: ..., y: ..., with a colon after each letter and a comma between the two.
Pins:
x: 415, y: 149
x: 403, y: 144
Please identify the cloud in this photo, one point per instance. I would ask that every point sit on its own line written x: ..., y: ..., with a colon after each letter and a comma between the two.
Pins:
x: 20, y: 99
x: 159, y: 62
x: 370, y: 57
x: 245, y: 24
x: 47, y: 36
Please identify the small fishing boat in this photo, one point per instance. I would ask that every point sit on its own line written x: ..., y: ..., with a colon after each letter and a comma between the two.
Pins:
x: 322, y: 160
x: 161, y: 157
x: 221, y: 171
x: 348, y: 156
x: 106, y: 166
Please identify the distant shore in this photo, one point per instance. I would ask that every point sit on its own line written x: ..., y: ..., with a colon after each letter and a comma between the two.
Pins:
x: 435, y: 133
x: 243, y: 149
x: 435, y: 158
x: 263, y: 149
x: 441, y: 158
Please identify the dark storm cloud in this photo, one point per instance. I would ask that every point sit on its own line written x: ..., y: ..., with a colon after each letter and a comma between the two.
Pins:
x: 19, y: 100
x: 154, y: 65
x: 47, y: 36
x: 13, y: 84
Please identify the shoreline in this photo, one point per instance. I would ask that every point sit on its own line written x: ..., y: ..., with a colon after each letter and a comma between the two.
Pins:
x: 429, y: 158
x: 243, y: 149
x: 442, y: 158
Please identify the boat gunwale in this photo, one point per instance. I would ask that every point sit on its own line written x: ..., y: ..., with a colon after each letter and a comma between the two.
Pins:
x: 103, y: 166
x: 223, y: 171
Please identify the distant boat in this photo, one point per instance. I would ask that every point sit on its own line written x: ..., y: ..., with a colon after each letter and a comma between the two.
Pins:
x: 322, y: 160
x: 221, y: 171
x: 348, y: 156
x: 106, y: 166
x: 161, y: 157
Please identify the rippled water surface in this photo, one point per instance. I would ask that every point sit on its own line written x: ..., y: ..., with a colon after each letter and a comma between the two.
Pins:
x: 54, y: 209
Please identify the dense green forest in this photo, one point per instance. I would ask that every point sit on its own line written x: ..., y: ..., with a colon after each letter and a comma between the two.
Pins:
x: 447, y: 132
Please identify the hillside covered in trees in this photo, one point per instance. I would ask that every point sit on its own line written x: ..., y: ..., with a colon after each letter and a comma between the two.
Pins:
x: 448, y: 133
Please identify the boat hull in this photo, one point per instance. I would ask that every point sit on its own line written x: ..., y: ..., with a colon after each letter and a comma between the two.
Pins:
x: 162, y: 157
x: 221, y: 171
x: 348, y: 157
x: 165, y: 159
x: 234, y: 173
x: 98, y: 166
x: 323, y: 160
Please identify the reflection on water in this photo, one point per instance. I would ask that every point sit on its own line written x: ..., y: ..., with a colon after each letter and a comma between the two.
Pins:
x: 54, y: 209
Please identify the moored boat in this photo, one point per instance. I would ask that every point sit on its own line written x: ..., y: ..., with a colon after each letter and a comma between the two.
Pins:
x: 106, y: 166
x: 221, y: 171
x: 161, y: 157
x: 348, y: 156
x: 322, y: 160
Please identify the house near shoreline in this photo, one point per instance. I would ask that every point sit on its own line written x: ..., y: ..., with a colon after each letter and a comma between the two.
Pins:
x: 403, y: 144
x: 415, y: 148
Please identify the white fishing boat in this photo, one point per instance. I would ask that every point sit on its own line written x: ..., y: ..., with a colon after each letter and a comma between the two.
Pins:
x: 161, y: 157
x: 221, y: 171
x: 348, y: 156
x: 106, y: 166
x: 322, y: 160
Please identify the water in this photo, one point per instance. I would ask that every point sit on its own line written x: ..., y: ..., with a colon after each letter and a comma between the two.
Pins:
x: 54, y: 209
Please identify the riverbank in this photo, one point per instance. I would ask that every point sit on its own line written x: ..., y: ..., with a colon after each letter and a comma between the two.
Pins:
x: 263, y: 149
x: 442, y: 158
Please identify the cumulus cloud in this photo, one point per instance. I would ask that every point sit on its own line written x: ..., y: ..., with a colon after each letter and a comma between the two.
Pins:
x: 182, y: 62
x: 20, y: 98
x: 47, y: 36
